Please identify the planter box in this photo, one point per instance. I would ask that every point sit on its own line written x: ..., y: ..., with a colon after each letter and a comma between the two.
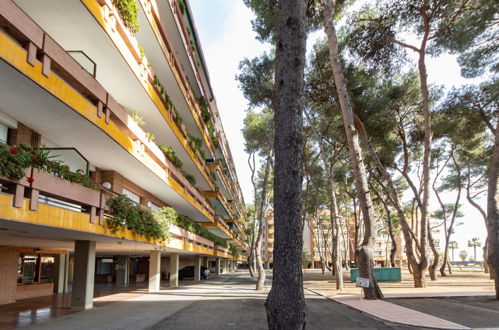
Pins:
x: 64, y: 189
x: 380, y: 274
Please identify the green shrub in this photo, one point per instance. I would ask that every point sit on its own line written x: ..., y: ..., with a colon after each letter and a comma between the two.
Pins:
x: 136, y: 218
x: 16, y: 159
x: 137, y: 118
x: 129, y: 13
x: 205, y: 112
x: 189, y: 177
x: 196, y: 143
x: 195, y: 228
x: 172, y: 156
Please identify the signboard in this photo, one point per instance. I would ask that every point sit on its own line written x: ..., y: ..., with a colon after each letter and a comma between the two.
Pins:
x: 362, y: 282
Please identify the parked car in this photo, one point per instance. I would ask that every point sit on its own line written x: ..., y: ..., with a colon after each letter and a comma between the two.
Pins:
x: 189, y: 272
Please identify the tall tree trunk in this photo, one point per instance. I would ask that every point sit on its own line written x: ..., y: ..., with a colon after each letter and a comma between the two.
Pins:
x: 485, y: 264
x: 423, y: 77
x: 436, y: 257
x: 493, y: 214
x: 250, y: 258
x: 393, y: 250
x: 364, y: 253
x: 333, y: 213
x: 260, y: 283
x: 453, y: 218
x: 286, y: 302
x: 413, y: 265
x: 484, y: 216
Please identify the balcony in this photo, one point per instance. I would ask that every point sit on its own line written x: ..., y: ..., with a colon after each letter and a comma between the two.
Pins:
x: 98, y: 31
x: 82, y: 113
x: 160, y: 38
x: 221, y: 179
x: 58, y: 204
x: 220, y: 204
x: 219, y: 228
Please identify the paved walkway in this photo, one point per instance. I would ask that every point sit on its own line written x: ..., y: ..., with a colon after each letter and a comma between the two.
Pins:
x: 415, y: 312
x: 474, y: 312
x: 227, y: 302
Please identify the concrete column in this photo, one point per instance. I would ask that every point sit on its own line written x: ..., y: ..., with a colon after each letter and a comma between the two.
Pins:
x: 66, y: 271
x: 122, y: 273
x: 217, y: 267
x: 154, y: 271
x: 206, y: 262
x: 82, y: 295
x: 60, y: 278
x: 174, y: 270
x: 197, y: 268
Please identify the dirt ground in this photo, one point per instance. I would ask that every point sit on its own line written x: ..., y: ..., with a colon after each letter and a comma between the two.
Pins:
x: 460, y: 283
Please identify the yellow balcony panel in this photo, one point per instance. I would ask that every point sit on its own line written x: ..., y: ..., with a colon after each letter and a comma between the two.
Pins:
x: 76, y: 121
x: 162, y: 45
x: 120, y: 69
x: 219, y: 228
x: 219, y: 204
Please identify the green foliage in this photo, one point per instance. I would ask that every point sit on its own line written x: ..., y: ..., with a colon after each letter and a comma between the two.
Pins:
x: 16, y: 159
x: 162, y: 91
x: 182, y: 6
x: 171, y: 155
x: 256, y: 79
x: 474, y: 242
x: 205, y: 112
x: 256, y: 131
x: 129, y: 13
x: 126, y: 214
x: 137, y: 118
x: 211, y: 131
x: 150, y: 136
x: 265, y: 21
x: 189, y: 177
x: 185, y: 223
x: 196, y: 143
x: 234, y: 250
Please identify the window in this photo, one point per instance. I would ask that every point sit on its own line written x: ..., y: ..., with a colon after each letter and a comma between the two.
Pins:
x: 104, y: 266
x: 153, y: 206
x: 132, y: 196
x: 4, y: 133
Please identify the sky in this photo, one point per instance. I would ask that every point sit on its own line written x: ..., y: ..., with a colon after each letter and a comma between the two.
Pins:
x: 225, y: 32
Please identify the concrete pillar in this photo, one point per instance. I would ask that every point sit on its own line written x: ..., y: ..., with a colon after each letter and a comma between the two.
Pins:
x: 217, y: 267
x: 174, y: 270
x: 122, y: 271
x: 206, y: 262
x: 67, y: 270
x: 82, y: 295
x: 154, y: 271
x: 197, y: 268
x: 60, y: 278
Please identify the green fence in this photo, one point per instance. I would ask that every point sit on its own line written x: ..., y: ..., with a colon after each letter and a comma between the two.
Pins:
x: 380, y: 274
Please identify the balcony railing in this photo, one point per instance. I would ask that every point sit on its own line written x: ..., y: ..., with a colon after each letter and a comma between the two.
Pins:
x: 150, y: 7
x: 55, y: 60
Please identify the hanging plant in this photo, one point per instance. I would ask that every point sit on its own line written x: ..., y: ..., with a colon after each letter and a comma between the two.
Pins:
x: 129, y: 13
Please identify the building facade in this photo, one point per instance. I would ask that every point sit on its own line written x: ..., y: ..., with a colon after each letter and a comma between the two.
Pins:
x: 99, y: 100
